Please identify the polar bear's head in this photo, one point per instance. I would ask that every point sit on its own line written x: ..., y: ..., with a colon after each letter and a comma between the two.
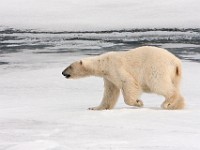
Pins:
x: 76, y: 70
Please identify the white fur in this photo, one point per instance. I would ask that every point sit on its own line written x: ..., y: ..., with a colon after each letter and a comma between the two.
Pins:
x: 144, y: 69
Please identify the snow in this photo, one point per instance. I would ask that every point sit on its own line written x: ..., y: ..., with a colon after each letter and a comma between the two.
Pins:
x: 99, y: 14
x: 41, y: 110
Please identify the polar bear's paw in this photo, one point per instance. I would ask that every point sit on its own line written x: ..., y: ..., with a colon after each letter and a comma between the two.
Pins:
x: 172, y: 105
x: 98, y: 108
x: 139, y: 103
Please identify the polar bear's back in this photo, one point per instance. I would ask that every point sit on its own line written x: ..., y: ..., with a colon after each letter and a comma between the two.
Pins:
x: 149, y: 55
x: 153, y: 66
x: 143, y: 58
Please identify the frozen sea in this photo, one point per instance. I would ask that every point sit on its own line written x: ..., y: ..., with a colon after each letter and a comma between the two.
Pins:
x: 41, y: 110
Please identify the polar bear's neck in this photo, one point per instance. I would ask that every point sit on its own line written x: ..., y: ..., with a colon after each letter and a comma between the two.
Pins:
x: 95, y: 66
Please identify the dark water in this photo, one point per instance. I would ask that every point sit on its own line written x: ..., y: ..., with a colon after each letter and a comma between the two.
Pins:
x: 184, y: 43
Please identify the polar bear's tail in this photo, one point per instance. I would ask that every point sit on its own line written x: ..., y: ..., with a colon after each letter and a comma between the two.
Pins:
x: 178, y: 75
x: 178, y: 71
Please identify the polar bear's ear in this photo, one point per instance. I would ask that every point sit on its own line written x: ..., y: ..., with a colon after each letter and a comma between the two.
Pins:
x: 81, y: 62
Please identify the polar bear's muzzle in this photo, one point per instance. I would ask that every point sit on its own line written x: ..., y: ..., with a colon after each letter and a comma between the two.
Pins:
x: 66, y: 75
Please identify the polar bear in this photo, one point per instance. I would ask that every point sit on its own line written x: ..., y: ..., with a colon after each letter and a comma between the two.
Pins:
x: 144, y: 69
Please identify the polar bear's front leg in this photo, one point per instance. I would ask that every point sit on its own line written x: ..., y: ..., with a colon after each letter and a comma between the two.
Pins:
x: 111, y: 94
x: 131, y: 92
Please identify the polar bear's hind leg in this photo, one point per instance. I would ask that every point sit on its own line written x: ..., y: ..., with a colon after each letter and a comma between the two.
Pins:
x: 131, y: 91
x: 174, y: 102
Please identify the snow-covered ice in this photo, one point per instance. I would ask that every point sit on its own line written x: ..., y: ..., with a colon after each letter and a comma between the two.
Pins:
x: 41, y: 110
x: 99, y: 14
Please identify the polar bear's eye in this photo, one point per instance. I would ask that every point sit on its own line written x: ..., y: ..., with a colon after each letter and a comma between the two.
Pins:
x: 81, y: 62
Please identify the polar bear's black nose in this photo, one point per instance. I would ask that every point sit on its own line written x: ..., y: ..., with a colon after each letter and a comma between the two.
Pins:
x: 63, y: 73
x: 66, y: 75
